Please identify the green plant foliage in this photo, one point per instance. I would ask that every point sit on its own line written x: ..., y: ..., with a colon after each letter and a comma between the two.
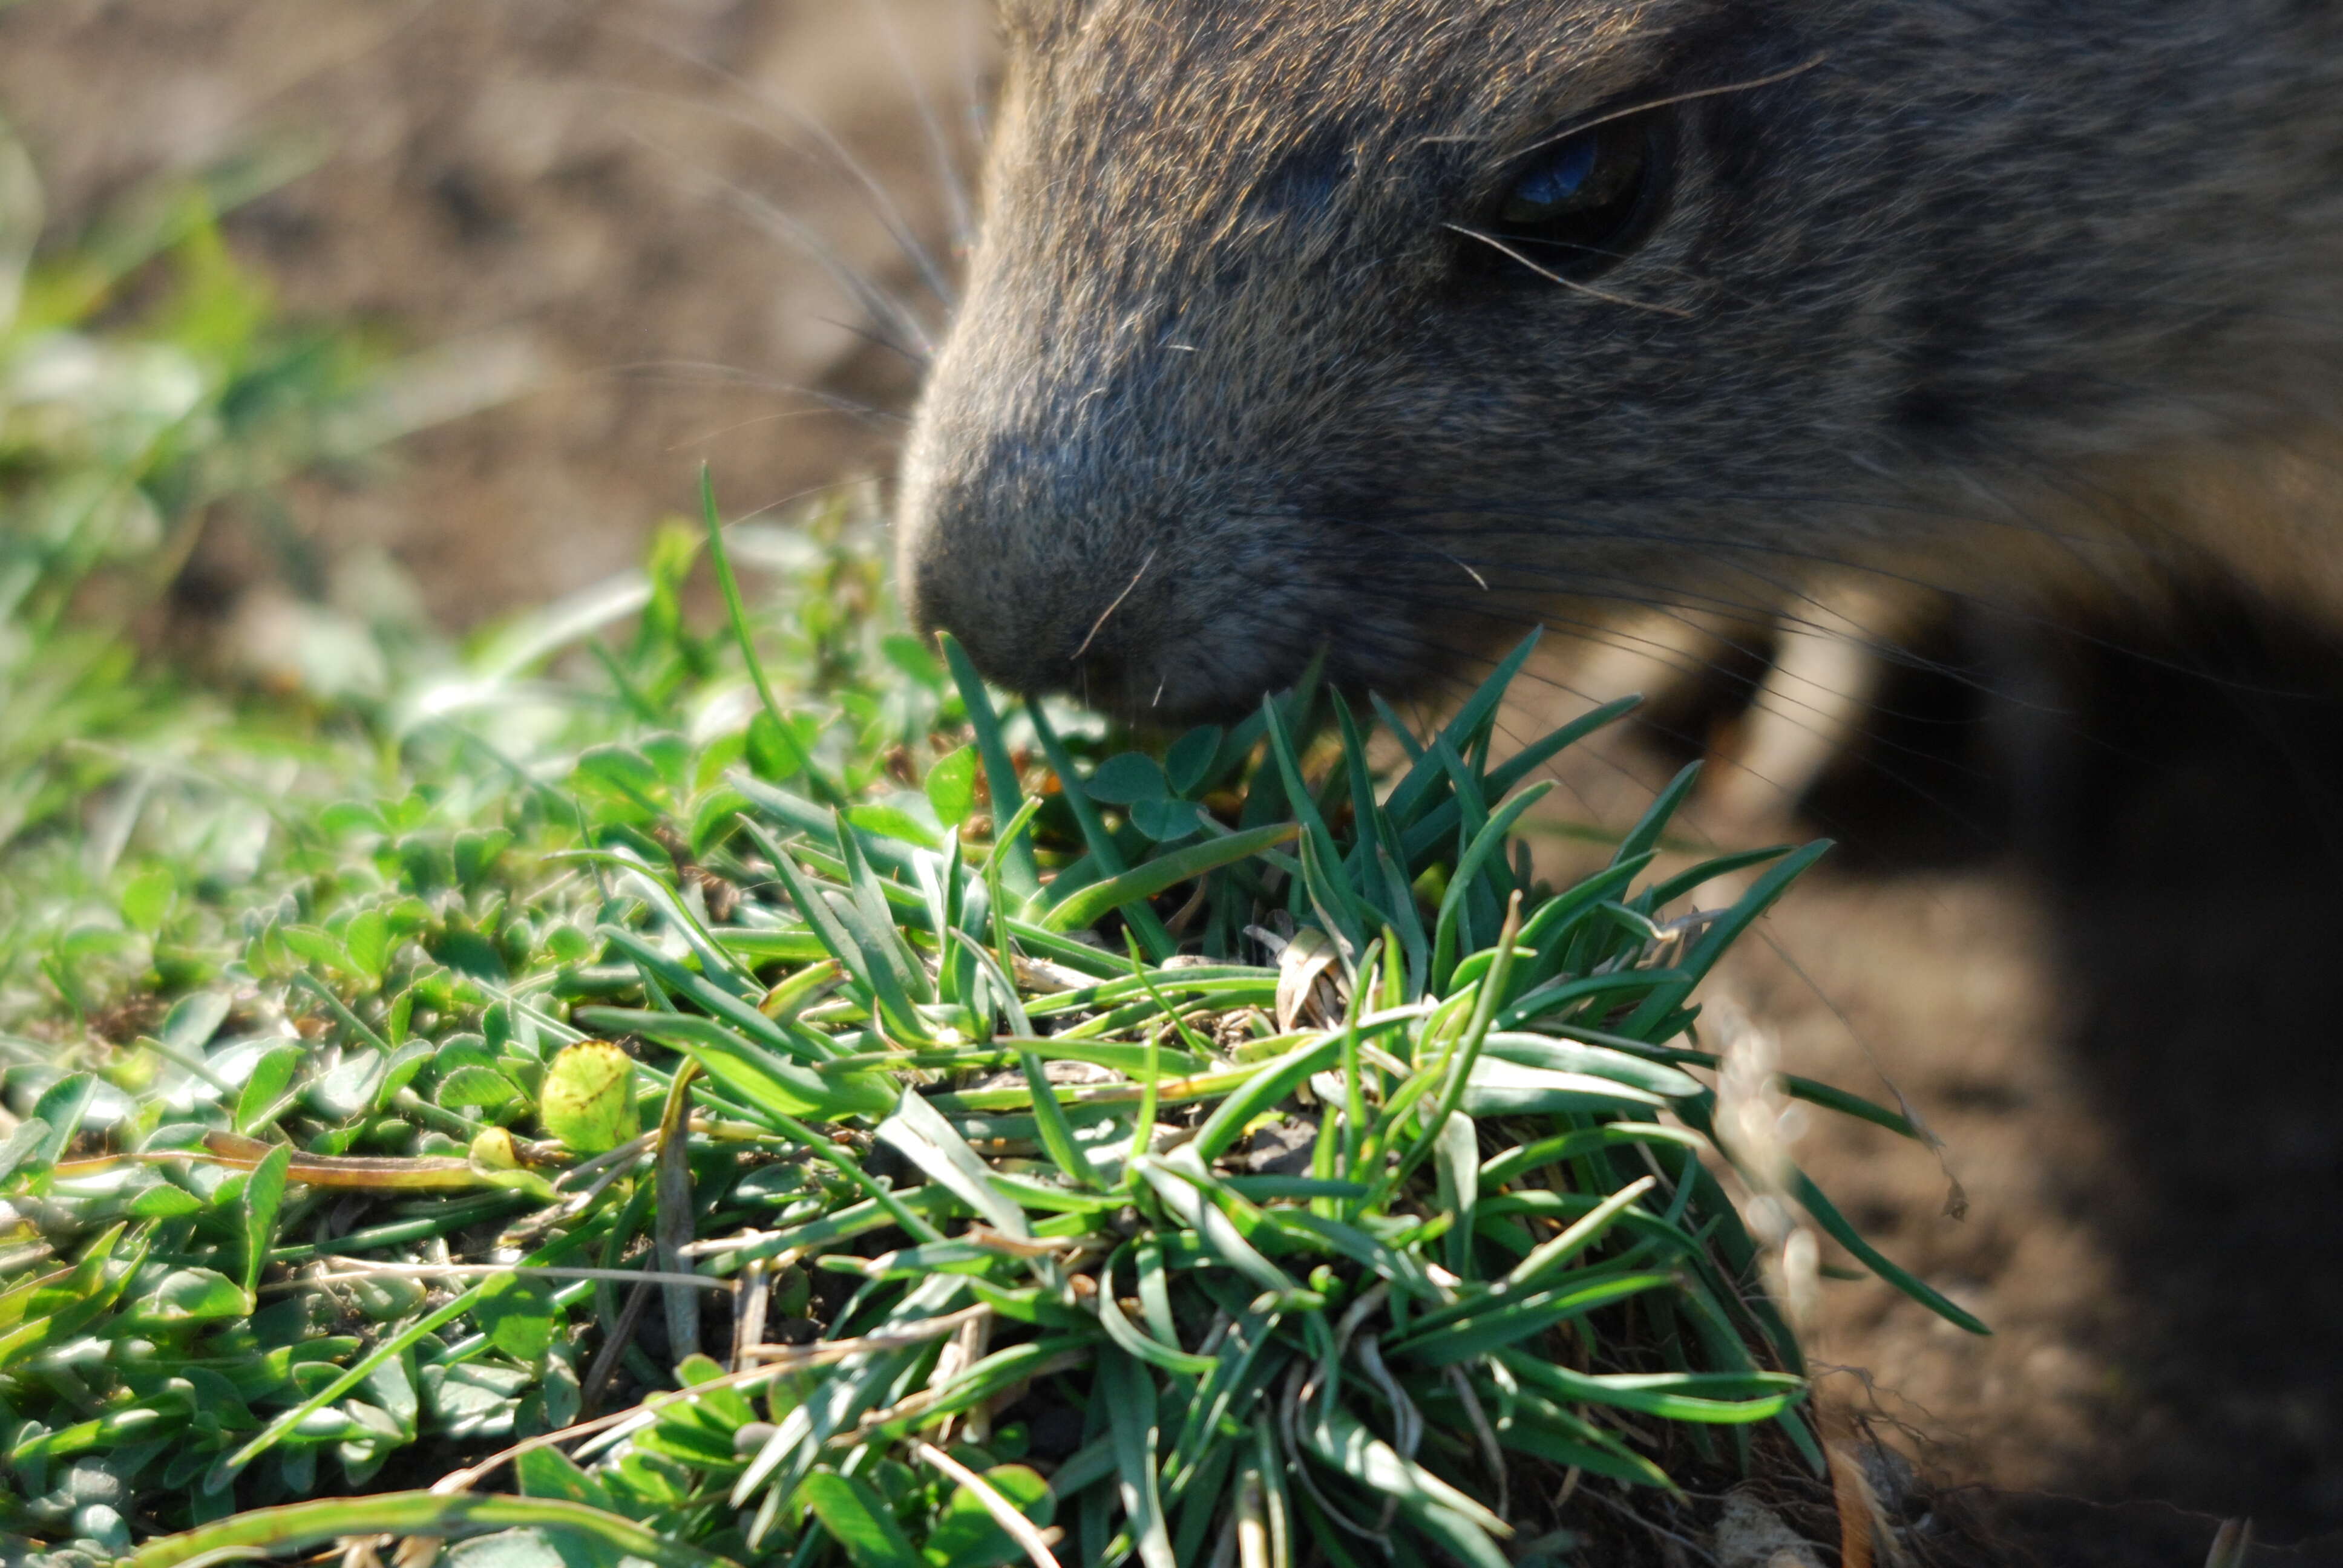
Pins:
x: 1056, y: 1146
x: 588, y: 1097
x: 145, y: 382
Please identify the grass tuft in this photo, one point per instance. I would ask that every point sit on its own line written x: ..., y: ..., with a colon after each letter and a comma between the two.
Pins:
x: 648, y: 1092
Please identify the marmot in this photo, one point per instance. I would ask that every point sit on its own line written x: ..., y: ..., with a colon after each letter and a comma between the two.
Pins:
x: 1387, y: 325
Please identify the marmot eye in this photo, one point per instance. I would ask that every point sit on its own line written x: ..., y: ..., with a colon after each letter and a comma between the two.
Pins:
x: 1581, y: 204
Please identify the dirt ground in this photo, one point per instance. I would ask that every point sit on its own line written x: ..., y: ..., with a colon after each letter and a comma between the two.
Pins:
x: 662, y: 209
x: 2134, y: 1075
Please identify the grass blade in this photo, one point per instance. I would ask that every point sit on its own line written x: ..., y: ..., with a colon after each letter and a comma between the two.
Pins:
x: 294, y: 1526
x: 1812, y: 1199
x: 1489, y: 842
x: 1128, y: 891
x: 1272, y: 1084
x: 839, y: 925
x: 1645, y: 834
x: 1705, y: 1398
x: 859, y: 1521
x: 929, y: 1141
x: 1130, y: 1396
x: 1721, y: 934
x: 765, y: 1080
x: 1017, y: 869
x: 263, y: 1192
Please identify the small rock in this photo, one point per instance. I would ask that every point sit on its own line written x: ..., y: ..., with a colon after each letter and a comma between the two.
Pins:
x: 101, y: 1526
x: 90, y: 1481
x: 1751, y: 1535
x: 1283, y: 1148
x: 1892, y: 1481
x: 1073, y: 1074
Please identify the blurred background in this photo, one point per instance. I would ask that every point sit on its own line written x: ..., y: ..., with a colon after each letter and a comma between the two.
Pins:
x: 650, y: 233
x: 617, y: 239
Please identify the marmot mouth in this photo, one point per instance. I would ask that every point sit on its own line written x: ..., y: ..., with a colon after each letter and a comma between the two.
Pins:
x: 1208, y: 678
x: 1219, y: 673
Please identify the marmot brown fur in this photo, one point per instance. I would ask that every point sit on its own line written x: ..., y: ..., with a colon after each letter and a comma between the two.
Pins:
x: 1384, y: 325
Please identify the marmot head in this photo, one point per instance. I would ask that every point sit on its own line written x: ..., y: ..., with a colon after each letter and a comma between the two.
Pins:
x: 1379, y: 325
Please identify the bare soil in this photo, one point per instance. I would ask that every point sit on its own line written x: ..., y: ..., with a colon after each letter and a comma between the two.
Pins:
x: 2098, y: 958
x: 2104, y: 972
x: 659, y: 203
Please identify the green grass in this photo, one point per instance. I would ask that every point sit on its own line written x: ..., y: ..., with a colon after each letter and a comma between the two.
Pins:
x: 869, y: 1121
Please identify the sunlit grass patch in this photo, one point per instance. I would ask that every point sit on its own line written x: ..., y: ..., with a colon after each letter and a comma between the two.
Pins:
x: 1181, y: 1150
x: 754, y: 1093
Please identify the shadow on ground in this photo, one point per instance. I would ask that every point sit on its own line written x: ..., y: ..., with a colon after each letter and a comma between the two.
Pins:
x: 2175, y: 797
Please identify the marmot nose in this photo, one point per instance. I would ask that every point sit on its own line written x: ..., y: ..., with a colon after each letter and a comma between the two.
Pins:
x: 1034, y: 643
x: 1008, y: 648
x: 960, y: 576
x: 1032, y: 586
